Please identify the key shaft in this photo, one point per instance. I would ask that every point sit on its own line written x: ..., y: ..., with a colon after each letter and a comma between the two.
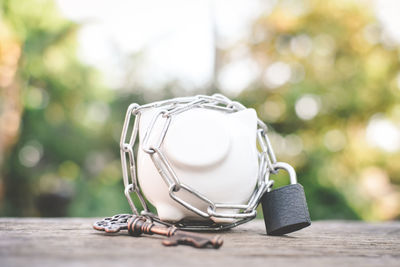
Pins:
x: 139, y: 225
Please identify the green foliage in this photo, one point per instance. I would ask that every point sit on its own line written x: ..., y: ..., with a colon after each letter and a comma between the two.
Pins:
x: 349, y: 73
x: 65, y: 161
x: 66, y: 119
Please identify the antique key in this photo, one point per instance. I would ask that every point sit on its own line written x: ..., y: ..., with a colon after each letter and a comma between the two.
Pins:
x: 138, y: 225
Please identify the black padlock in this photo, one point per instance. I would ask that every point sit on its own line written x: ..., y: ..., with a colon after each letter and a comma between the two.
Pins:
x: 285, y: 209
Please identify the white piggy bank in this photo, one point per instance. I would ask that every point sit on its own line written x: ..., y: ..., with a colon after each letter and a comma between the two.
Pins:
x: 211, y: 151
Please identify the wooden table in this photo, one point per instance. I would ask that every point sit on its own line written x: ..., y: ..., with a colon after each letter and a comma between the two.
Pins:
x: 73, y: 242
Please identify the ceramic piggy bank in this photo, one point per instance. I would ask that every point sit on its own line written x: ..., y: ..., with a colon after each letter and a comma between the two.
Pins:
x: 212, y: 152
x: 204, y: 162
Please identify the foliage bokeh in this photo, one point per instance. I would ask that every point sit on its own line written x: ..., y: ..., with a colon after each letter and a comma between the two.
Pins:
x: 326, y: 76
x: 346, y: 71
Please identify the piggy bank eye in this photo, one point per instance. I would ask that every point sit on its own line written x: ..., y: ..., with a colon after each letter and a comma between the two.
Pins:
x: 197, y: 139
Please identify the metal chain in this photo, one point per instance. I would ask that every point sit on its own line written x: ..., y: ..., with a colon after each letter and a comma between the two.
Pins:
x: 169, y: 109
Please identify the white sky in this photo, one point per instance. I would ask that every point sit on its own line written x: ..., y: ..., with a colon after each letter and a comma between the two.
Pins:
x: 174, y: 40
x: 177, y: 37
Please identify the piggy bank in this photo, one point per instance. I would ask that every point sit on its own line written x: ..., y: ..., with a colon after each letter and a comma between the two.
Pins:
x: 212, y: 152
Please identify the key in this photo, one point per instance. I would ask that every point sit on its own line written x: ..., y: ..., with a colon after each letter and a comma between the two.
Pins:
x: 137, y: 225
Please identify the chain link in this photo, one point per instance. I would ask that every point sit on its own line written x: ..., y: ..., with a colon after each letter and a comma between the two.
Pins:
x: 169, y: 109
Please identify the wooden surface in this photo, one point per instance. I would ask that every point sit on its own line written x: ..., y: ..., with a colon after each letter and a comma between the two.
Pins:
x: 73, y: 242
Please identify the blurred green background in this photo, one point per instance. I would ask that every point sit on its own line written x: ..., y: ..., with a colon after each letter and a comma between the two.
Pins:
x: 328, y: 87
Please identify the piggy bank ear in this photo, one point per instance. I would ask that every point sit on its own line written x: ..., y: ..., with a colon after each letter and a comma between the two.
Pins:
x: 246, y: 118
x: 198, y: 139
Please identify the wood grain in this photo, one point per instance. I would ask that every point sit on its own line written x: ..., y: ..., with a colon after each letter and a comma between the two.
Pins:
x: 73, y: 242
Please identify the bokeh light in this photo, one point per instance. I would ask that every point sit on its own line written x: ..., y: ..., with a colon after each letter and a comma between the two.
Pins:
x: 324, y: 76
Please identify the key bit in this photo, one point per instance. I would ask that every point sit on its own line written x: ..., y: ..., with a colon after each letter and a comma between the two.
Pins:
x: 198, y: 241
x: 139, y: 225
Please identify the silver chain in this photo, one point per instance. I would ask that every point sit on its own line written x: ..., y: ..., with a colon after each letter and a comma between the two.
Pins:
x: 169, y: 109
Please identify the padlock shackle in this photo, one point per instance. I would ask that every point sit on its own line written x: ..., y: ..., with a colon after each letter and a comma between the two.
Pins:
x: 290, y: 170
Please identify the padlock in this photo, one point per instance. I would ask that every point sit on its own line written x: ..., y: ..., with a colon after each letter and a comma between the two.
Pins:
x: 285, y: 209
